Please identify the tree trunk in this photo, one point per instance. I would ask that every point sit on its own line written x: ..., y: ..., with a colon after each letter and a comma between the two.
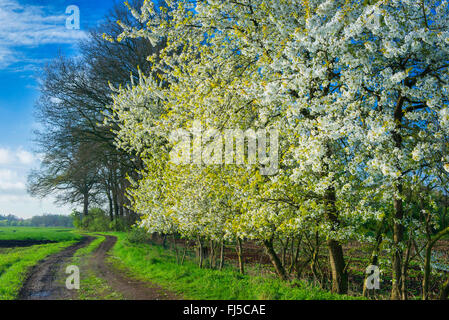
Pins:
x: 375, y: 254
x: 164, y: 241
x: 175, y: 248
x: 212, y: 254
x: 405, y: 268
x: 280, y: 270
x: 115, y: 202
x: 85, y: 204
x: 336, y: 256
x: 431, y: 241
x: 240, y: 255
x: 398, y: 235
x: 314, y: 258
x: 338, y: 267
x: 184, y: 254
x: 294, y: 253
x: 444, y: 292
x: 284, y: 252
x: 426, y: 278
x: 443, y: 220
x: 111, y: 210
x: 221, y: 255
x: 398, y: 229
x: 201, y: 253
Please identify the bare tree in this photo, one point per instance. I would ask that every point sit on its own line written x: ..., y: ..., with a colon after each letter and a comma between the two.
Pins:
x: 81, y: 162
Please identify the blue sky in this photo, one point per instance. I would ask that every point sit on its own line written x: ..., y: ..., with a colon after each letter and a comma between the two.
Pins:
x: 32, y: 32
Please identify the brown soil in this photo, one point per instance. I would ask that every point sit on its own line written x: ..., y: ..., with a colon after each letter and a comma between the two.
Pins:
x: 22, y: 243
x: 46, y: 280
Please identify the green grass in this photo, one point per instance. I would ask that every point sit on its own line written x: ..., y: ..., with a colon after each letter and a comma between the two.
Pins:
x: 16, y: 262
x: 95, y: 288
x: 39, y: 234
x: 153, y: 263
x: 85, y: 251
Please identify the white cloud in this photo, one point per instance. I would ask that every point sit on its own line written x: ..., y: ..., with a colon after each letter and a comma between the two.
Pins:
x: 7, y: 57
x: 15, y: 164
x: 14, y: 168
x: 31, y: 26
x: 5, y: 156
x: 25, y: 157
x: 16, y: 157
x: 12, y: 182
x: 25, y: 206
x: 7, y: 187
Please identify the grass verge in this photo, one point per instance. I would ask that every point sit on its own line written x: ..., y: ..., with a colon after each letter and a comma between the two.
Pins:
x: 153, y: 263
x: 95, y: 288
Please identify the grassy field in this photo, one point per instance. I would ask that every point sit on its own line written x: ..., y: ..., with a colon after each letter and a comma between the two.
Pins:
x: 15, y: 262
x: 38, y: 234
x: 155, y: 264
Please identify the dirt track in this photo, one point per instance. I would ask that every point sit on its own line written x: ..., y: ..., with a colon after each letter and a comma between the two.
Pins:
x: 42, y: 283
x: 131, y: 289
x: 47, y: 280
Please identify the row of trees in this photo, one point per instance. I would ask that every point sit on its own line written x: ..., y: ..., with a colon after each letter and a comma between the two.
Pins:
x: 356, y: 90
x: 81, y: 164
x: 46, y: 220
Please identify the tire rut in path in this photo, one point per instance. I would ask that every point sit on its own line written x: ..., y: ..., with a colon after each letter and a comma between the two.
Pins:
x: 130, y: 288
x: 42, y: 284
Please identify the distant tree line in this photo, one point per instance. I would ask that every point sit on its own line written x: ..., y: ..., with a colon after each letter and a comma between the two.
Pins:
x: 46, y: 220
